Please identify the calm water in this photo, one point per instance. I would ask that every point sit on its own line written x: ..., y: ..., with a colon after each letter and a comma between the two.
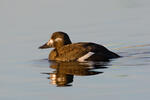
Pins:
x: 123, y: 26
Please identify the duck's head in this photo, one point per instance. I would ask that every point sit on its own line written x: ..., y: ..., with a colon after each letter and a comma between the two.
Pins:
x: 57, y: 40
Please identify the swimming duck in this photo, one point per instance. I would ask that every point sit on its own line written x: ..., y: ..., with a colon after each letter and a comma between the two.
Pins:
x: 65, y: 50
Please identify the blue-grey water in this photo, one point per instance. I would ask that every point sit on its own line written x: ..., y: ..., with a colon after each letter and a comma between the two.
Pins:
x: 123, y: 26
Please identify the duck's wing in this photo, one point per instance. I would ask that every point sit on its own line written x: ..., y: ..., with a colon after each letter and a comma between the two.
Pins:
x: 84, y: 51
x: 72, y: 52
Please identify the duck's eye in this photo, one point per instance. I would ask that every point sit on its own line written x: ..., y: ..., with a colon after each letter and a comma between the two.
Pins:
x: 58, y: 39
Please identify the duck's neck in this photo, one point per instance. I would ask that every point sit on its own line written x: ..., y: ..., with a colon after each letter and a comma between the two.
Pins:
x: 59, y: 45
x: 67, y: 42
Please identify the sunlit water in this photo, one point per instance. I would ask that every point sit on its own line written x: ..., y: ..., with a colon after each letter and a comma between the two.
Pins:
x: 120, y: 25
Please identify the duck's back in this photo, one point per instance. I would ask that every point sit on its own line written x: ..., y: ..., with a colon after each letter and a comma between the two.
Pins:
x: 82, y: 51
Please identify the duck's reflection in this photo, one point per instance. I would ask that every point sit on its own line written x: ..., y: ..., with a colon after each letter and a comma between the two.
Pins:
x: 65, y: 71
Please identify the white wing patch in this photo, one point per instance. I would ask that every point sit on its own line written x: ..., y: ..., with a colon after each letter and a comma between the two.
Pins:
x: 82, y: 59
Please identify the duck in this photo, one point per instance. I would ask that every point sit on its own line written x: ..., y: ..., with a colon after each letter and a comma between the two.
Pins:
x: 66, y: 51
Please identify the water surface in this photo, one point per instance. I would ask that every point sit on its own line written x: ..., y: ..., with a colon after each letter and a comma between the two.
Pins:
x: 120, y: 25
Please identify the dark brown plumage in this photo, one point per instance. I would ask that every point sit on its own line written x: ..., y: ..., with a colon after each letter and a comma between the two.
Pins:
x: 64, y: 50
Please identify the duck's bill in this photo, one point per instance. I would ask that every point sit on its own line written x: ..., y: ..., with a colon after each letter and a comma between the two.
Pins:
x: 45, y: 46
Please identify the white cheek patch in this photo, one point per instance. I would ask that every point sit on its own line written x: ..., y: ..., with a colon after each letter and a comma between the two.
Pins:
x: 83, y: 58
x: 50, y: 42
x: 58, y: 39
